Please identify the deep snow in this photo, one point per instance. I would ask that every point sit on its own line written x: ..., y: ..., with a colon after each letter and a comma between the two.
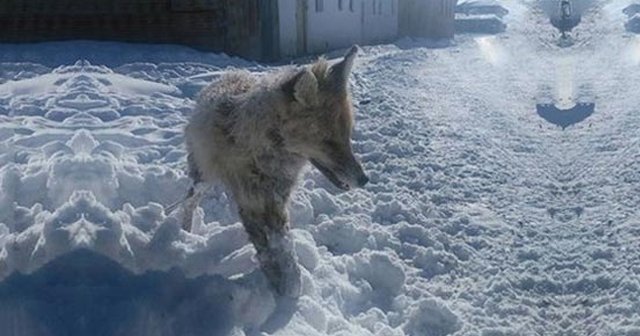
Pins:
x: 481, y: 218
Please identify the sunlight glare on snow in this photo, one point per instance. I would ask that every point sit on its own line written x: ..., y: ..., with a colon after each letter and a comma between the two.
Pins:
x: 565, y: 83
x: 633, y: 51
x: 491, y: 50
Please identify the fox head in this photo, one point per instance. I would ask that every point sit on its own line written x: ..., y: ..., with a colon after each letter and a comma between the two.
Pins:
x: 318, y: 120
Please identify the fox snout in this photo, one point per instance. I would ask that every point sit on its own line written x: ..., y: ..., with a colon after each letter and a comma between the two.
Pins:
x: 359, y: 178
x: 344, y: 174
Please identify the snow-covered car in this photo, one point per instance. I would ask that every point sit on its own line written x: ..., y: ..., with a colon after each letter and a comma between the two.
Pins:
x: 633, y: 24
x: 632, y: 9
x: 481, y: 7
x: 633, y: 13
x: 482, y: 24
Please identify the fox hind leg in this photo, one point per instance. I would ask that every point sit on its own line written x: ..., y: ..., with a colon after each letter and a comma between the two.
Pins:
x: 194, y: 195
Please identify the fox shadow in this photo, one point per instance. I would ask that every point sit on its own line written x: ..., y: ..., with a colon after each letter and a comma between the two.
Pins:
x: 84, y: 293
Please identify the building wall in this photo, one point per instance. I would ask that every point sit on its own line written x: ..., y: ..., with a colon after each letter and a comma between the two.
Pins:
x: 427, y: 18
x: 329, y: 27
x: 288, y: 18
x: 232, y: 26
x: 380, y: 21
x: 256, y: 29
x: 332, y: 24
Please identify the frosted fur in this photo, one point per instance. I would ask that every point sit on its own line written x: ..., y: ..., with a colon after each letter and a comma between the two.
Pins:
x: 255, y: 134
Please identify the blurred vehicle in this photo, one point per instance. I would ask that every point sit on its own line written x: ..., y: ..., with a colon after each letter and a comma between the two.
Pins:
x: 480, y: 16
x: 566, y: 20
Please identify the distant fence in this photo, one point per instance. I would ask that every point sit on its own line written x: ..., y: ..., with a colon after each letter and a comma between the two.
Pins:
x: 234, y: 26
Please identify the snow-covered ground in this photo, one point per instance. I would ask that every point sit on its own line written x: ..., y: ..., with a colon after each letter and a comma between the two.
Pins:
x: 480, y: 218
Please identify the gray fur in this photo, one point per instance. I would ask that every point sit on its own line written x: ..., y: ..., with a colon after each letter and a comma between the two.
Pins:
x: 255, y: 135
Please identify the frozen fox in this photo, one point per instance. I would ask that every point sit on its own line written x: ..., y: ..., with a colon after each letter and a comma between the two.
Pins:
x: 255, y: 135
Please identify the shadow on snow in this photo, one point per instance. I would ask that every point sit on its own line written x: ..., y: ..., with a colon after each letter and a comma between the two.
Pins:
x: 84, y: 293
x: 565, y: 118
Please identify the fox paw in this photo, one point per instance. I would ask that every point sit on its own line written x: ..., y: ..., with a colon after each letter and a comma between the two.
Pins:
x: 281, y: 268
x: 290, y: 284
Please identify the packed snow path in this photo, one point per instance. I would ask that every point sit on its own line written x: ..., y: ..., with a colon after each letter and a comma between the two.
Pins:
x: 480, y: 218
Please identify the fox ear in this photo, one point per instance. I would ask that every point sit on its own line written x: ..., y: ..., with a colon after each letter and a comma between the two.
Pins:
x: 339, y: 72
x: 303, y: 88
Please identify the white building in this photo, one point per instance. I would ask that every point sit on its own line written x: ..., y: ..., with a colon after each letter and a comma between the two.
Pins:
x: 316, y: 26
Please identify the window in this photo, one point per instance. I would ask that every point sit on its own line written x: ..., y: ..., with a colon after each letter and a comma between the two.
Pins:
x: 374, y: 7
x: 319, y: 5
x: 351, y: 6
x: 340, y: 4
x: 379, y: 7
x: 393, y: 7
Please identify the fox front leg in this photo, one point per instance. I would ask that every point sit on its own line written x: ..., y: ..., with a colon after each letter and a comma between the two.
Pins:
x: 267, y: 230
